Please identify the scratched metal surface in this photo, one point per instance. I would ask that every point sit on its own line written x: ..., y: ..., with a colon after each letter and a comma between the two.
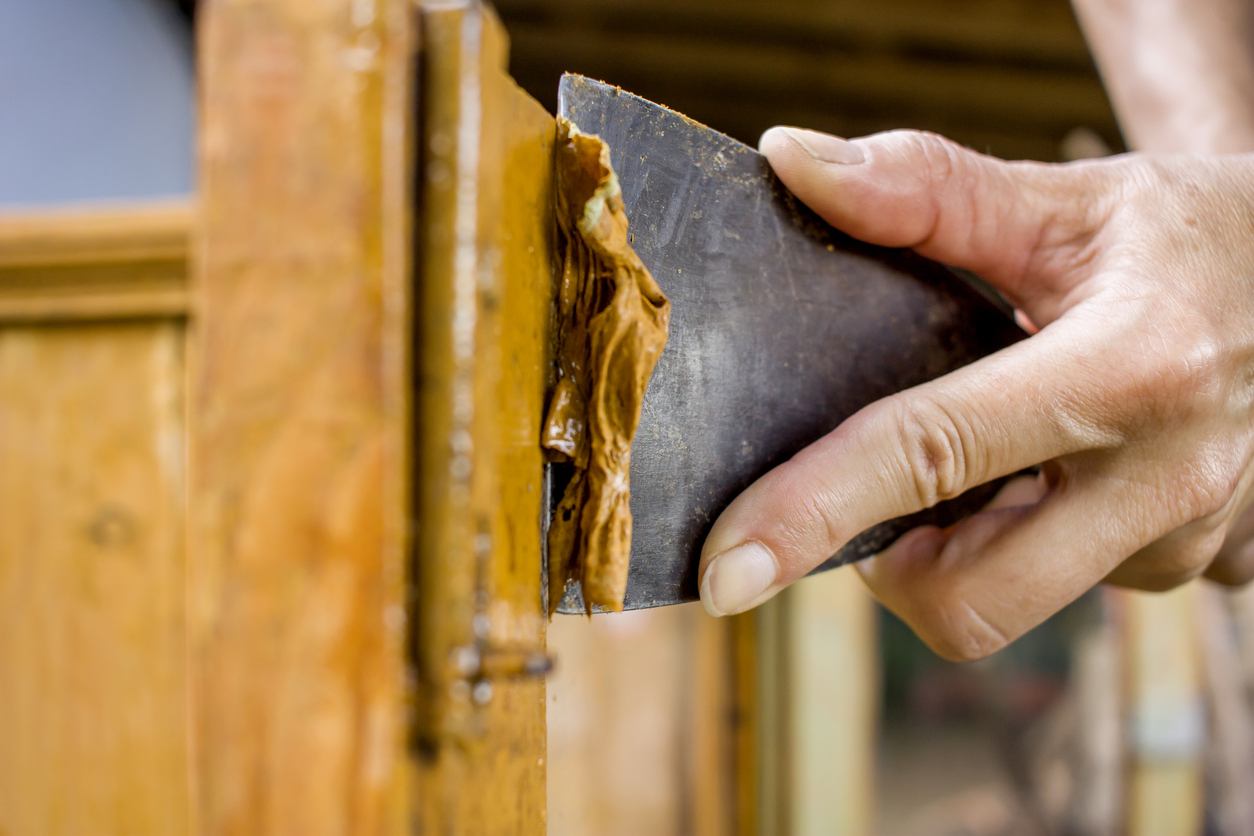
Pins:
x: 781, y: 328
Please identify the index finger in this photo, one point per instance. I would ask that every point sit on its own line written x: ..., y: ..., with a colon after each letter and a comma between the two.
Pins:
x: 908, y: 452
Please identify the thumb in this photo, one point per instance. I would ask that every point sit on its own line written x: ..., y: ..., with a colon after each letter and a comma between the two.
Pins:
x: 1022, y: 226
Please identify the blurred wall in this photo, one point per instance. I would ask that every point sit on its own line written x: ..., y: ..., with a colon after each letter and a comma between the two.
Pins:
x: 96, y: 100
x: 1007, y: 77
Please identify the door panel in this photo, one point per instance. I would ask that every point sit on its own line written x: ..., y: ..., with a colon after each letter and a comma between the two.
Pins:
x: 93, y: 718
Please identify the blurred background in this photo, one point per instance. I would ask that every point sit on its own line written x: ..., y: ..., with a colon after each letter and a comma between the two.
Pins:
x: 96, y: 100
x: 1046, y: 737
x: 1008, y: 77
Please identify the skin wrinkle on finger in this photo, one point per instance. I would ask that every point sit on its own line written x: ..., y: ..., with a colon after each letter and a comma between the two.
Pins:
x: 986, y: 638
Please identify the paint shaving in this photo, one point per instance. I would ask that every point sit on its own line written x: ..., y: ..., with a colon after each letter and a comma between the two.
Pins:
x: 613, y: 322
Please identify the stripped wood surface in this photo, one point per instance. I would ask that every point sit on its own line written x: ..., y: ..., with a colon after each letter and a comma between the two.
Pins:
x: 816, y: 706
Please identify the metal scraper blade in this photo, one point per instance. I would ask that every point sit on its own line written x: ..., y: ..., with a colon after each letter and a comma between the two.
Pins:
x: 781, y: 328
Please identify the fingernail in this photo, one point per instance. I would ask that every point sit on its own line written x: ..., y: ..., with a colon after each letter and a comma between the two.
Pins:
x: 737, y: 579
x: 826, y: 148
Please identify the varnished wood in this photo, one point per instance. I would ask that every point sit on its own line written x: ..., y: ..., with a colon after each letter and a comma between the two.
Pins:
x: 93, y: 722
x: 99, y: 263
x: 300, y: 418
x: 485, y: 289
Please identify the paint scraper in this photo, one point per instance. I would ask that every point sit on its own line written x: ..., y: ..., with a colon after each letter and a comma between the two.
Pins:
x: 780, y: 328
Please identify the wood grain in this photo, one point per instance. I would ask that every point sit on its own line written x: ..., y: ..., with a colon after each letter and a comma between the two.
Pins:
x: 93, y: 723
x: 299, y: 438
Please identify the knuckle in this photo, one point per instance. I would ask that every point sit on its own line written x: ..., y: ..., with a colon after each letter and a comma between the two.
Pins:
x: 1234, y: 571
x: 1155, y: 181
x: 943, y: 160
x: 935, y: 446
x: 1177, y: 559
x: 1198, y: 553
x: 956, y: 630
x: 1149, y: 176
x: 1191, y: 376
x: 950, y: 171
x: 1209, y: 488
x: 959, y: 634
x: 1174, y: 373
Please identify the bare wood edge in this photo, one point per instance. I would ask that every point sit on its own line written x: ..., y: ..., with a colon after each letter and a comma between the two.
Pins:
x: 90, y: 263
x: 149, y: 231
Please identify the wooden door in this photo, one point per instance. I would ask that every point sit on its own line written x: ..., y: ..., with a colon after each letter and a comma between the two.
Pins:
x: 93, y: 686
x: 270, y: 487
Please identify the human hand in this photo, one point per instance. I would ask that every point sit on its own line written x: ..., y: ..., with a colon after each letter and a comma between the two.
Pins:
x: 1136, y: 395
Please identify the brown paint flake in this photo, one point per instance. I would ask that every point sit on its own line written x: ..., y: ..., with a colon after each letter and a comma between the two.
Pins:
x: 612, y: 327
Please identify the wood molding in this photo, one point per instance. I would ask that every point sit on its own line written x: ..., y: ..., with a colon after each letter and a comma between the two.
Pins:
x: 100, y: 263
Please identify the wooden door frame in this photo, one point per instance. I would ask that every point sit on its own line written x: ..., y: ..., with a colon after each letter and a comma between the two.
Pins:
x: 300, y: 425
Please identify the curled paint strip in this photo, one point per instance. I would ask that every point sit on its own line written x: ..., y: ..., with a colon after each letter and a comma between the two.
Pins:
x: 613, y: 322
